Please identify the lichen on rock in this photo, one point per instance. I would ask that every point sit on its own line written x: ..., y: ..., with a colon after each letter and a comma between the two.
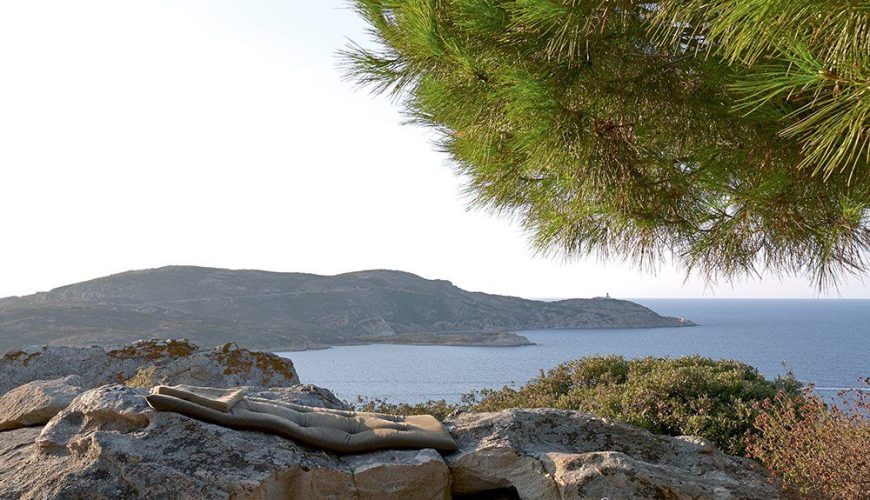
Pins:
x: 154, y: 349
x: 147, y: 362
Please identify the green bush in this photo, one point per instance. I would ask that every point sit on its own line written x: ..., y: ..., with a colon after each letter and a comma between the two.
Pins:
x: 689, y: 395
x: 685, y: 396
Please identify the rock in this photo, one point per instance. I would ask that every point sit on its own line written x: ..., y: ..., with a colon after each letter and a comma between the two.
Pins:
x: 36, y: 402
x: 16, y: 447
x: 223, y: 366
x: 102, y: 440
x: 146, y: 363
x: 551, y: 454
x: 410, y: 474
x: 108, y: 443
x: 20, y: 366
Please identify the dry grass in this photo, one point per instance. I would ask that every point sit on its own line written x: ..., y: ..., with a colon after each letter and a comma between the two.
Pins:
x: 817, y: 450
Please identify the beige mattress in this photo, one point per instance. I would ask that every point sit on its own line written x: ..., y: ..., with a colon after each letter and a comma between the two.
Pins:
x: 334, y: 430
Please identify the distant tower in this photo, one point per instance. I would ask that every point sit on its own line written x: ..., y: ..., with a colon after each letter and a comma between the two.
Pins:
x: 607, y: 295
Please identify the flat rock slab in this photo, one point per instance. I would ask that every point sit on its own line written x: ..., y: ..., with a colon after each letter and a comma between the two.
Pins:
x: 35, y: 403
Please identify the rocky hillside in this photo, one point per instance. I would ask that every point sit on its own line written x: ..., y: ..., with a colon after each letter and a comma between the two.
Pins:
x: 70, y: 428
x: 290, y: 311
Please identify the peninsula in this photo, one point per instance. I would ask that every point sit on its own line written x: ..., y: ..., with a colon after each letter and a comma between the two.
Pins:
x: 295, y: 311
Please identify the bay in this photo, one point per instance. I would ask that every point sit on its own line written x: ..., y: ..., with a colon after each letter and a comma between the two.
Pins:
x: 825, y: 342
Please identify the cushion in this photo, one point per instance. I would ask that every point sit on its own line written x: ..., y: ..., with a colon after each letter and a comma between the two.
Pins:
x: 212, y: 397
x: 335, y: 430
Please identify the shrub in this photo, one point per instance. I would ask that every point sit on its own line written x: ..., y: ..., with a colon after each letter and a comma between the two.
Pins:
x: 817, y: 450
x: 684, y: 396
x: 689, y: 395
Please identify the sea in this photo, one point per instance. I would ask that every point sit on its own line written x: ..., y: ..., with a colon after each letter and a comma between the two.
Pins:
x: 823, y: 342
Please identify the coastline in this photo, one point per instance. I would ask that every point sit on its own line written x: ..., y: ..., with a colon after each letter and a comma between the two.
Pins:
x: 477, y: 339
x: 466, y: 339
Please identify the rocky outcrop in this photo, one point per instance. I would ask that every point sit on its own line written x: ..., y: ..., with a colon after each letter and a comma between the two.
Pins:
x: 109, y: 443
x: 47, y: 378
x: 551, y: 454
x: 37, y: 402
x: 146, y: 363
x: 106, y: 442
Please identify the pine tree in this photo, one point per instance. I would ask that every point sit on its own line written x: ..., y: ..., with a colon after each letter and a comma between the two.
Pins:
x: 732, y: 136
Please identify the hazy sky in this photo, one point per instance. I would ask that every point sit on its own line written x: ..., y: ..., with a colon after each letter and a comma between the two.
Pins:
x: 220, y: 133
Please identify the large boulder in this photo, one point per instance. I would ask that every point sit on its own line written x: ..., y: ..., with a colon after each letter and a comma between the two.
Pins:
x: 37, y: 402
x: 552, y: 454
x: 108, y: 444
x: 145, y: 363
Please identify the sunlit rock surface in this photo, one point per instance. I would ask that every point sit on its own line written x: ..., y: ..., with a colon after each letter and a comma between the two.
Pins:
x: 82, y: 435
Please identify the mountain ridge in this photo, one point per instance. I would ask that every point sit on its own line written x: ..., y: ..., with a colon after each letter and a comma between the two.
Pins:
x: 281, y: 310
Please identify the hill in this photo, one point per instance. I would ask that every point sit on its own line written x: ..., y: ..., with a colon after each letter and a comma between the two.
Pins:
x: 269, y: 310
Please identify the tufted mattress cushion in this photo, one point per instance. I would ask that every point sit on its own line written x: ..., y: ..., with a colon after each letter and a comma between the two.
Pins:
x: 214, y: 398
x: 336, y: 430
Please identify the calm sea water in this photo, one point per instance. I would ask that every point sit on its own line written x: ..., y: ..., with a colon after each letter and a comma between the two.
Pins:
x: 826, y: 342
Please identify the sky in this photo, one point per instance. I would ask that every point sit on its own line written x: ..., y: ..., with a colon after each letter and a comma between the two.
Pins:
x: 220, y: 133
